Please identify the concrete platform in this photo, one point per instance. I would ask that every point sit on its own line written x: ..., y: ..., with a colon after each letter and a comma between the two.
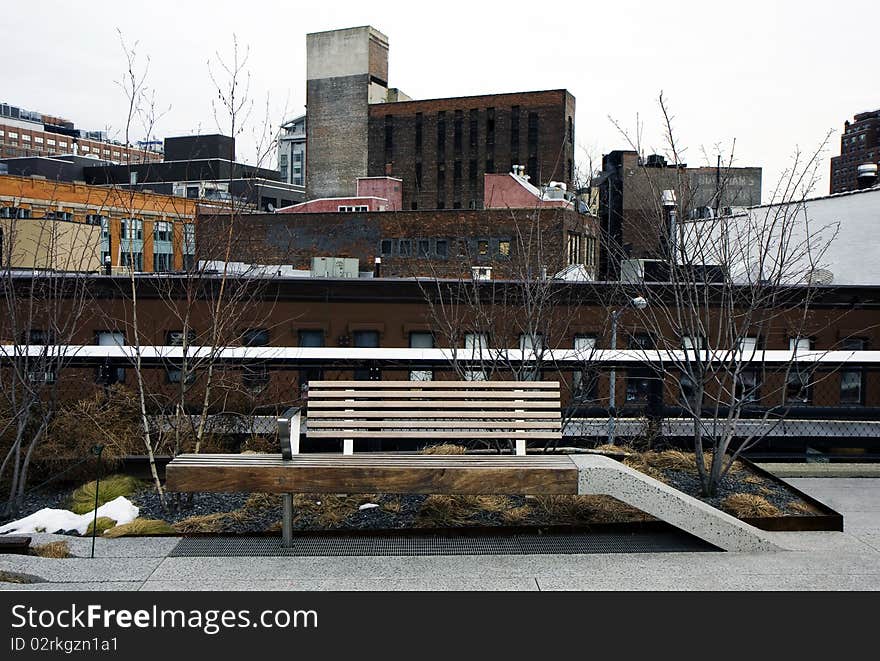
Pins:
x: 848, y: 560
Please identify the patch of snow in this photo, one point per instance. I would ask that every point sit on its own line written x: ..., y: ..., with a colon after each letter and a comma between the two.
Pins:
x: 367, y: 506
x: 47, y: 519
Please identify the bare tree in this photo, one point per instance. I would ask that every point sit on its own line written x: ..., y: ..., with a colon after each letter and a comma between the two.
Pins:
x: 44, y: 285
x: 736, y: 284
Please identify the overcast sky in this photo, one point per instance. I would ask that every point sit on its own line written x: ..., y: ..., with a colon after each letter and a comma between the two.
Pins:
x: 774, y: 76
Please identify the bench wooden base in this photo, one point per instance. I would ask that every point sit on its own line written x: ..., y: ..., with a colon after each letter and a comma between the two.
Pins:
x: 374, y: 473
x: 460, y: 474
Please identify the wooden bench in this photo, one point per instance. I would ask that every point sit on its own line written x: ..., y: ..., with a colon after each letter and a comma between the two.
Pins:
x: 353, y: 412
x: 422, y: 411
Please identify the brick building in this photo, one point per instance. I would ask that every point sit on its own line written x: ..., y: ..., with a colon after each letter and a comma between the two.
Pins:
x: 630, y: 207
x: 436, y: 243
x: 146, y: 231
x: 440, y: 148
x: 28, y: 133
x: 859, y: 145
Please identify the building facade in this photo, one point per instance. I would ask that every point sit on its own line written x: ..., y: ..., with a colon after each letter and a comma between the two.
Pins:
x: 292, y: 151
x: 441, y: 148
x: 28, y: 133
x: 438, y: 243
x: 202, y: 168
x: 43, y: 221
x: 859, y: 145
x: 633, y: 225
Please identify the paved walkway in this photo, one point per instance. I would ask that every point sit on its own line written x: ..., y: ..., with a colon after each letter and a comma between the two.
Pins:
x: 813, y: 560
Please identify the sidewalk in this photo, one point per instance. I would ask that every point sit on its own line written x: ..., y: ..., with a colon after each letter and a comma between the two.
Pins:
x: 814, y: 561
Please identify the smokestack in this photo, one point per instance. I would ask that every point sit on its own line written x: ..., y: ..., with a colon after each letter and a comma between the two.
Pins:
x: 107, y: 267
x: 377, y: 268
x: 867, y: 175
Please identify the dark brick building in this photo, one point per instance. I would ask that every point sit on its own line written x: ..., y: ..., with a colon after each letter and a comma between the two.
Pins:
x: 439, y: 243
x: 441, y: 148
x: 359, y: 126
x: 629, y: 201
x: 859, y: 145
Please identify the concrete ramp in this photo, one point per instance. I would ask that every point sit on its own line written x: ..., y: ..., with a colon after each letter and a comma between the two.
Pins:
x: 598, y: 475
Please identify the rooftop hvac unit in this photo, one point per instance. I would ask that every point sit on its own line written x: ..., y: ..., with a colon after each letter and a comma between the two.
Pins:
x: 334, y: 267
x: 481, y: 272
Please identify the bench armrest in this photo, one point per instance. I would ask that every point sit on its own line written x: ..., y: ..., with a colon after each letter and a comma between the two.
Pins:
x: 288, y: 432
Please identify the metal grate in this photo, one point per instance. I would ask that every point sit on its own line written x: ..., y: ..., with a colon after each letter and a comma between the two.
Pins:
x: 410, y: 545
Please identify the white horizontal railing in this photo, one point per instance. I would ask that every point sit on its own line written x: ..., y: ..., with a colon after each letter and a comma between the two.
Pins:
x: 90, y: 354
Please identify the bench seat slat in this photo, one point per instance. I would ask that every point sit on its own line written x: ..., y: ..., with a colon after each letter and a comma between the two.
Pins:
x: 505, y: 405
x: 447, y: 385
x: 428, y: 394
x: 434, y: 424
x: 440, y: 435
x: 477, y: 415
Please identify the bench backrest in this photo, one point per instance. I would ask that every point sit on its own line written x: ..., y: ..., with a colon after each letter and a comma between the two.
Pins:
x: 442, y: 411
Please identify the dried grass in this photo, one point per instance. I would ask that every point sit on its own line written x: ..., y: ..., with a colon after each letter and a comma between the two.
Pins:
x: 638, y: 462
x: 444, y: 448
x: 326, y: 510
x: 571, y: 510
x: 517, y: 515
x: 748, y: 505
x: 670, y: 460
x: 443, y: 511
x: 394, y: 506
x: 60, y: 549
x: 215, y: 522
x: 801, y: 507
x: 140, y: 527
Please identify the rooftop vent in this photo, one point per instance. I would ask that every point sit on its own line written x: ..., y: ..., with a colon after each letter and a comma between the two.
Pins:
x: 867, y: 175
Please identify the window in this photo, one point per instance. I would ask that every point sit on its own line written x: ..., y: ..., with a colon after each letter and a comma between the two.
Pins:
x: 99, y: 221
x: 441, y: 136
x: 457, y: 131
x: 852, y: 381
x: 421, y: 340
x: 419, y: 137
x: 50, y: 142
x: 476, y: 342
x: 418, y: 176
x: 462, y: 247
x: 641, y: 383
x: 133, y: 260
x: 353, y: 208
x: 389, y: 137
x: 162, y: 231
x: 585, y: 383
x: 132, y: 228
x: 255, y: 337
x: 483, y: 247
x: 473, y: 129
x: 176, y: 338
x: 748, y: 382
x: 38, y: 140
x: 424, y: 248
x: 107, y: 375
x: 366, y: 339
x: 574, y: 248
x: 442, y: 248
x: 163, y: 261
x: 490, y: 129
x: 404, y: 248
x: 386, y: 247
x: 535, y: 344
x: 310, y: 338
x: 798, y: 388
x: 590, y: 254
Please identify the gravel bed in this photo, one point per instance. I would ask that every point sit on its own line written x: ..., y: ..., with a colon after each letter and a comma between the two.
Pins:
x: 249, y: 515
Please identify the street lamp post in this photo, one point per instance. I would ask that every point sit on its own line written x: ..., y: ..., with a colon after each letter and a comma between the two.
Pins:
x: 639, y: 303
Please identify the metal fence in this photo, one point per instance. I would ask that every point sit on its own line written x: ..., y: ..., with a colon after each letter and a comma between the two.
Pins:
x: 820, y: 403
